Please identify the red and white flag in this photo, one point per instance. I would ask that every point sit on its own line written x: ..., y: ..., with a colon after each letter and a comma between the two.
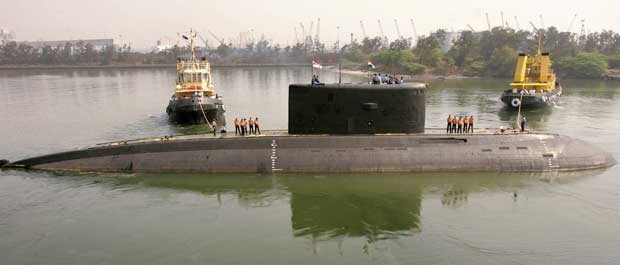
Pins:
x: 316, y: 64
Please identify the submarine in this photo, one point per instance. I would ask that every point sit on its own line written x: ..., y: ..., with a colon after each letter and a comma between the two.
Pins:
x: 339, y: 128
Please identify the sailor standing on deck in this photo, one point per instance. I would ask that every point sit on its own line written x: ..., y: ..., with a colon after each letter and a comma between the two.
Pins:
x: 471, y: 124
x: 246, y: 126
x: 465, y: 124
x: 251, y: 125
x: 449, y: 124
x: 454, y: 123
x: 237, y: 128
x: 214, y: 124
x: 242, y: 126
x: 256, y: 126
x: 460, y: 128
x: 523, y: 120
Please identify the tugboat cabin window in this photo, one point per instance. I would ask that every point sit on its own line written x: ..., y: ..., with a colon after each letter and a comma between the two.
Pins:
x: 192, y: 78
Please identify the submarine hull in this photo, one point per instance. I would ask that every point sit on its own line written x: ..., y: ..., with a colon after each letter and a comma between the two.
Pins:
x: 316, y: 153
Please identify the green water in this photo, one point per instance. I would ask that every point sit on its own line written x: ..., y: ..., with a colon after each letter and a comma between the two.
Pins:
x: 469, y: 218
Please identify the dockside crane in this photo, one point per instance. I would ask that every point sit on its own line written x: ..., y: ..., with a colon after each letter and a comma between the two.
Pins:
x: 415, y: 31
x: 318, y: 30
x: 383, y: 37
x: 397, y: 29
x: 501, y: 13
x: 572, y: 21
x: 534, y: 26
x: 363, y: 29
x: 488, y: 21
x: 221, y: 41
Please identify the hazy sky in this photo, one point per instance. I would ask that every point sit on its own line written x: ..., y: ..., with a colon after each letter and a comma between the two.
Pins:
x: 143, y: 22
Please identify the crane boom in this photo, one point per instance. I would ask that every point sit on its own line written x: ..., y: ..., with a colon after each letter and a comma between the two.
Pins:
x: 471, y: 28
x: 517, y: 23
x: 397, y: 29
x: 534, y: 26
x: 502, y: 15
x: 221, y: 41
x: 488, y: 21
x: 363, y: 29
x: 415, y: 31
x: 318, y: 30
x: 570, y: 26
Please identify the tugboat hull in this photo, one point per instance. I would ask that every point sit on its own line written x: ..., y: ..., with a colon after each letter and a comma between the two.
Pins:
x: 194, y: 110
x: 514, y: 99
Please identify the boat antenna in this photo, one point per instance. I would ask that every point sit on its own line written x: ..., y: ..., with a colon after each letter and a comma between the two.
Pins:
x: 539, y: 41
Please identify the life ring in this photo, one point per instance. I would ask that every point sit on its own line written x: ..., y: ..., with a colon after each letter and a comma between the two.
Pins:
x: 515, y: 102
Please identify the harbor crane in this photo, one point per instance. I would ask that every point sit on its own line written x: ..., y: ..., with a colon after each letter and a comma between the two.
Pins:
x: 318, y: 30
x: 383, y: 37
x: 534, y: 26
x: 363, y: 29
x: 221, y: 41
x: 303, y: 31
x: 501, y: 13
x: 415, y: 31
x: 397, y: 29
x: 517, y: 23
x: 572, y: 21
x: 488, y: 21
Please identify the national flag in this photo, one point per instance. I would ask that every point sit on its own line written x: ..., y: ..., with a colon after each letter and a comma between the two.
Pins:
x: 316, y: 64
x: 371, y: 65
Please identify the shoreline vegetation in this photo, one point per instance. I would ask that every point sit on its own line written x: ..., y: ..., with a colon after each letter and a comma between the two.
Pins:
x: 489, y: 53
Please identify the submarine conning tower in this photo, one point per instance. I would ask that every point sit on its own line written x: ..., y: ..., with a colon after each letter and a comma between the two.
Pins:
x: 356, y: 108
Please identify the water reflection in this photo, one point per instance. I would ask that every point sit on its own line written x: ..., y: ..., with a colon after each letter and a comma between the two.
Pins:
x: 374, y: 207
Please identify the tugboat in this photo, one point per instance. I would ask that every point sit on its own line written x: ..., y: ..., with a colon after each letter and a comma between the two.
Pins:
x: 194, y: 99
x: 535, y: 84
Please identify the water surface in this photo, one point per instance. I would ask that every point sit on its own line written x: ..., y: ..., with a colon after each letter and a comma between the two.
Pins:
x: 473, y: 218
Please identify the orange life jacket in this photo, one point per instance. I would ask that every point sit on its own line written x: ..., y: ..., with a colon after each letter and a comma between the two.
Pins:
x: 256, y: 122
x: 242, y: 123
x: 466, y: 121
x: 471, y: 120
x: 454, y: 121
x: 449, y: 119
x: 251, y: 122
x: 461, y: 122
x: 236, y: 122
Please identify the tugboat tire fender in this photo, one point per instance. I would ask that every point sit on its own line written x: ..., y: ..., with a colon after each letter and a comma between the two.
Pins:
x: 515, y: 102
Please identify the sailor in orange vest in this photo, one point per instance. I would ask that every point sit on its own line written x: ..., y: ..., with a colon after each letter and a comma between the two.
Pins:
x: 465, y: 125
x: 460, y: 130
x: 471, y: 124
x: 251, y: 125
x: 256, y: 126
x: 454, y: 122
x: 237, y: 128
x: 449, y: 124
x: 242, y: 124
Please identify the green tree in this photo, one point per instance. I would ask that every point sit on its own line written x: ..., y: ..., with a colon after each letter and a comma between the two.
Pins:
x: 583, y: 65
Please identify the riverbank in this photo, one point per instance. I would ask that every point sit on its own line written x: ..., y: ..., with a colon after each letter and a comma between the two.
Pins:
x: 131, y: 66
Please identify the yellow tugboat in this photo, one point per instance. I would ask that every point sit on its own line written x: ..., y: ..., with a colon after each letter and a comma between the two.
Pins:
x: 535, y: 83
x: 194, y: 99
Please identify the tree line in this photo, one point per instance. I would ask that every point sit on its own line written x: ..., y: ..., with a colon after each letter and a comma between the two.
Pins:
x: 487, y: 53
